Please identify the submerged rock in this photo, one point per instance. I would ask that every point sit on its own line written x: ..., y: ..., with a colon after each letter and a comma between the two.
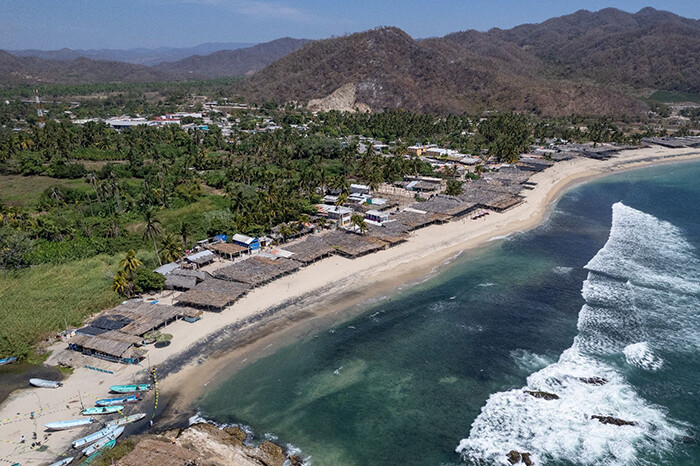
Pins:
x: 237, y: 433
x: 593, y: 380
x: 543, y: 395
x: 515, y: 457
x: 613, y: 420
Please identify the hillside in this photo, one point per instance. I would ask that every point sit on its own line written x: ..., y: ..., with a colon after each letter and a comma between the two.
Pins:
x: 651, y: 48
x: 231, y: 62
x: 33, y: 70
x: 389, y: 70
x: 138, y: 56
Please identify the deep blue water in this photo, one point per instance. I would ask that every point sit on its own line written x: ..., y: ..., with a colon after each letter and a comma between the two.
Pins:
x: 444, y: 363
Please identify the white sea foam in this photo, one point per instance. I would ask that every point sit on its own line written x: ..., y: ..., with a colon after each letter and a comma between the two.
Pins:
x: 529, y: 361
x: 560, y: 270
x: 641, y: 295
x: 486, y: 284
x: 641, y: 356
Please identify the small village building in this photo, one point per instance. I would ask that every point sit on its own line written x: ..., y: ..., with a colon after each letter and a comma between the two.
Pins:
x: 250, y: 243
x: 338, y: 214
x: 359, y: 189
x: 228, y: 250
x: 377, y: 216
x: 167, y: 268
x: 201, y: 258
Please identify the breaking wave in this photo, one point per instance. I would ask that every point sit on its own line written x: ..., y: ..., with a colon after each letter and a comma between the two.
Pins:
x: 642, y: 295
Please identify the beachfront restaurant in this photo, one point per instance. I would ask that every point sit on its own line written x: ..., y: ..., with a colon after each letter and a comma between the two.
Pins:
x: 248, y: 242
x: 200, y: 259
x: 110, y: 345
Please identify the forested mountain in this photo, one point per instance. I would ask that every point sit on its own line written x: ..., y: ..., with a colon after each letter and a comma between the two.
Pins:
x: 603, y: 62
x: 231, y: 62
x: 587, y: 62
x: 35, y: 70
x: 138, y: 56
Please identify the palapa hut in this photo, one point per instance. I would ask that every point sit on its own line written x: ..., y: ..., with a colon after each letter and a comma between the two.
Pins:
x: 310, y: 249
x: 353, y: 245
x: 228, y: 250
x: 111, y: 345
x: 414, y: 219
x: 213, y: 294
x: 257, y: 271
x: 113, y: 335
x: 446, y: 205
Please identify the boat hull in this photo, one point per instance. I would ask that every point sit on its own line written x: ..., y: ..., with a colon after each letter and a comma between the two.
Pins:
x: 6, y: 361
x: 100, y: 444
x: 125, y: 420
x: 62, y: 462
x: 94, y: 437
x: 103, y: 410
x: 41, y: 383
x: 118, y: 401
x: 65, y: 425
x: 138, y: 388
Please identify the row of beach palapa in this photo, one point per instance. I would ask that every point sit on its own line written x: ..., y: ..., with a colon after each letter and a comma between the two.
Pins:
x: 450, y: 239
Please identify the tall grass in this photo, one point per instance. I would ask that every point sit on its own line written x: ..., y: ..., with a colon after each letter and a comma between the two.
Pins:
x: 39, y: 301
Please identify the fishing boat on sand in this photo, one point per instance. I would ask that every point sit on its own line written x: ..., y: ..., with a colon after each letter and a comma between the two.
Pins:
x: 100, y: 444
x: 62, y: 462
x: 42, y: 383
x: 6, y: 361
x: 108, y: 446
x: 118, y: 401
x: 125, y: 420
x: 64, y: 425
x: 135, y: 388
x: 94, y: 437
x: 103, y: 410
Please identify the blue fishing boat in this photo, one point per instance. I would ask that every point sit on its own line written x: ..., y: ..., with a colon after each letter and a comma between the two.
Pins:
x: 63, y: 425
x: 135, y: 388
x: 8, y: 360
x: 94, y: 437
x: 103, y: 410
x: 118, y: 401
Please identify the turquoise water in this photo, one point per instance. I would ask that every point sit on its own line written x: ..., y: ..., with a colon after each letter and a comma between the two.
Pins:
x: 442, y: 365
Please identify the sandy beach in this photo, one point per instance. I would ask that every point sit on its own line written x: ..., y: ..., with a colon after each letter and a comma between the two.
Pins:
x: 285, y: 310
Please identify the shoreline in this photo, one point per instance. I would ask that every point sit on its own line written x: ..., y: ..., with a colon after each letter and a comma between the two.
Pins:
x: 293, y: 307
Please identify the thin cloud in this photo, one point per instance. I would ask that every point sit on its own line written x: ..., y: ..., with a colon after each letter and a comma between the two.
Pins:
x: 259, y: 9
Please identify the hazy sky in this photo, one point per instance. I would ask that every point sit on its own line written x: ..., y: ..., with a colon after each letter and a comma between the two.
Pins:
x: 47, y: 24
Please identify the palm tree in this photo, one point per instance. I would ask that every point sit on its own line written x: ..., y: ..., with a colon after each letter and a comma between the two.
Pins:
x: 358, y: 221
x: 57, y: 195
x: 130, y: 263
x: 152, y: 231
x: 121, y: 284
x: 171, y: 248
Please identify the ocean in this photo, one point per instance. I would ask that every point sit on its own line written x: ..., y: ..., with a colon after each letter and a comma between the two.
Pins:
x: 599, y: 305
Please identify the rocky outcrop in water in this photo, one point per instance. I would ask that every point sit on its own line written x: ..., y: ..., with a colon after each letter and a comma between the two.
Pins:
x: 543, y: 395
x: 206, y: 445
x: 515, y: 457
x: 593, y: 380
x: 613, y: 420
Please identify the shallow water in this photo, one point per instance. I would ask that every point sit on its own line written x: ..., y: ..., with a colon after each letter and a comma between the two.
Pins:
x: 443, y: 364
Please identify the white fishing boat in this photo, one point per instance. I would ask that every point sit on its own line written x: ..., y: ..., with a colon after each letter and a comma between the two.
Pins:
x: 97, y: 446
x: 81, y: 442
x: 42, y: 383
x: 125, y: 420
x: 64, y: 425
x: 62, y: 462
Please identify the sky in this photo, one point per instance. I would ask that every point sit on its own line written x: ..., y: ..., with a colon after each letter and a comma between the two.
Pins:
x: 87, y: 24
